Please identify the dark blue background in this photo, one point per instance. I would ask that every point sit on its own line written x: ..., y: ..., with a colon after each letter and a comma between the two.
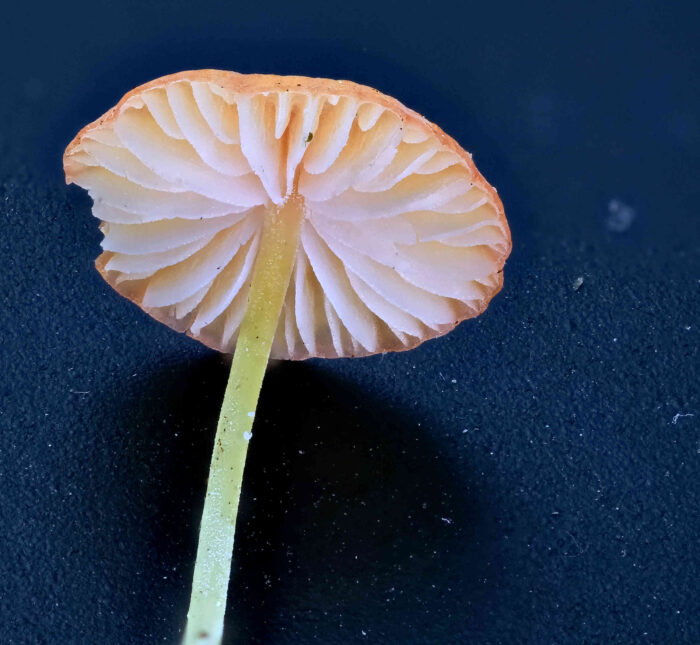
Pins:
x: 524, y: 480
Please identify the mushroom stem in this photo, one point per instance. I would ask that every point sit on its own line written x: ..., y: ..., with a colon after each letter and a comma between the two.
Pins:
x: 271, y: 275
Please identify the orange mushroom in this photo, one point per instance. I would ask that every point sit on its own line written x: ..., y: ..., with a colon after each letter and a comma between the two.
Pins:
x: 288, y: 217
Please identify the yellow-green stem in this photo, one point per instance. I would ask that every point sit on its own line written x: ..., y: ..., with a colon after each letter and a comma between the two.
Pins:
x: 271, y: 274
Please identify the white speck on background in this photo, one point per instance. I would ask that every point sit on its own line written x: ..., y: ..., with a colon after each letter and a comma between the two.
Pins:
x: 680, y: 415
x: 577, y: 283
x: 446, y: 520
x: 251, y: 415
x: 247, y: 435
x: 620, y: 216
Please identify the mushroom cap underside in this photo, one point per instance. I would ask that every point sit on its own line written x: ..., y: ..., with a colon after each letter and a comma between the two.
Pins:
x: 402, y: 237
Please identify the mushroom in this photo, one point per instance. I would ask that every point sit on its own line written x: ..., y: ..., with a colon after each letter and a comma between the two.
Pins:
x: 285, y: 217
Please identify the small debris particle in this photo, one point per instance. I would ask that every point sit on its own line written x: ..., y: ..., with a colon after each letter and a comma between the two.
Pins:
x: 309, y: 137
x: 578, y: 283
x: 680, y: 415
x: 251, y: 415
x: 620, y: 216
x: 247, y: 435
x: 446, y: 520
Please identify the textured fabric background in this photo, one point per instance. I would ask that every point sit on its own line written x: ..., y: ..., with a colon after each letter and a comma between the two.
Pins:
x: 530, y: 478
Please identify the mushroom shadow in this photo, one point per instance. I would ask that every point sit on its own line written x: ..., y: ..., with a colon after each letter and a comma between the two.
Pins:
x: 348, y: 510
